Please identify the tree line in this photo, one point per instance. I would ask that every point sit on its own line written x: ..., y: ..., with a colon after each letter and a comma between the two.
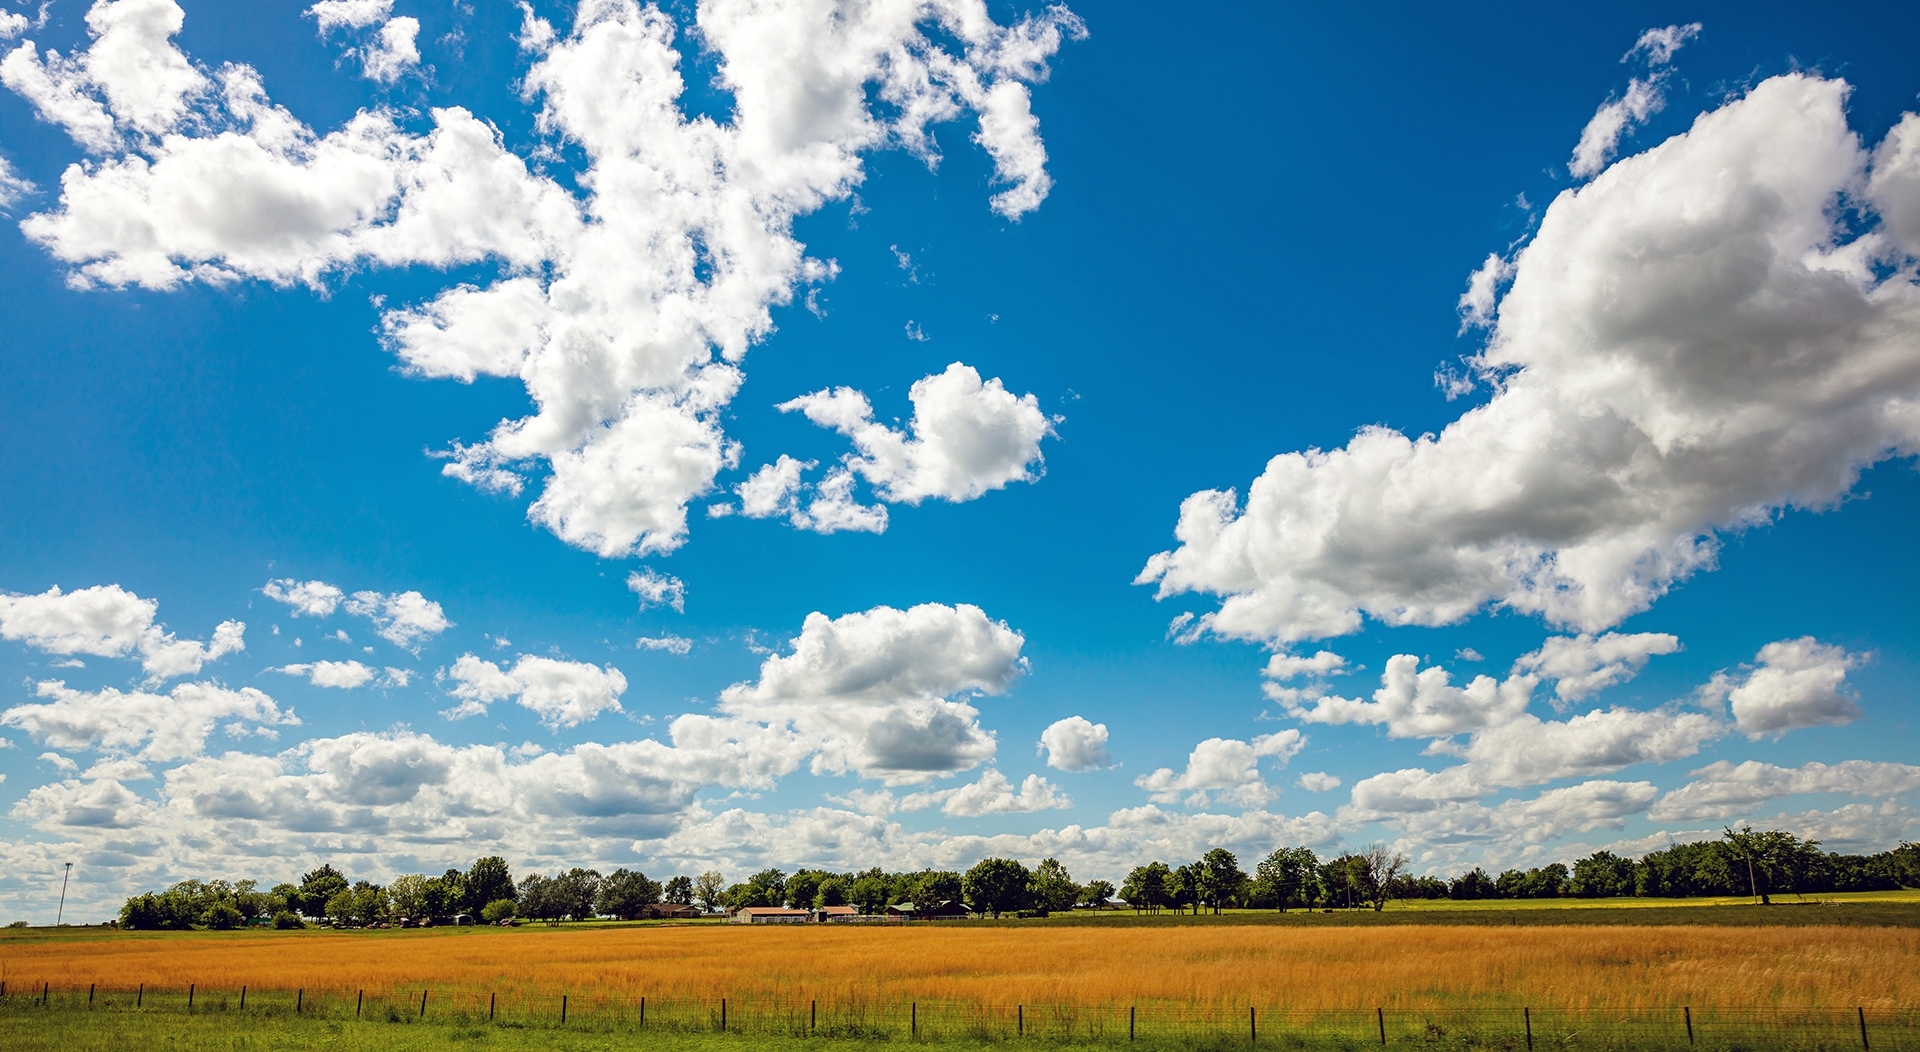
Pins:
x: 1763, y: 864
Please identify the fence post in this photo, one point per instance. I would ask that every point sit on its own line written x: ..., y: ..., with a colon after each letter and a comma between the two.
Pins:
x: 1527, y: 1015
x: 140, y: 998
x: 813, y: 1015
x: 299, y: 1000
x: 359, y: 1000
x: 1380, y: 1014
x: 1253, y: 1027
x: 723, y: 1015
x: 1686, y: 1012
x: 1130, y: 1010
x: 1022, y: 1017
x: 189, y: 997
x: 44, y: 987
x: 643, y: 1009
x: 492, y: 997
x: 90, y: 995
x: 243, y: 997
x: 563, y: 1009
x: 423, y: 1004
x: 913, y: 1020
x: 1863, y: 1029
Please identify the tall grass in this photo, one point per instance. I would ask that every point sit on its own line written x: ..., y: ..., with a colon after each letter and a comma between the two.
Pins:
x: 1566, y: 967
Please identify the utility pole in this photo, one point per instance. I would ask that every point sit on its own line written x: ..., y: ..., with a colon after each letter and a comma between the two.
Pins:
x: 63, y: 895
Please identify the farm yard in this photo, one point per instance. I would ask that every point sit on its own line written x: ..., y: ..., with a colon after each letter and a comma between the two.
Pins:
x: 1167, y: 978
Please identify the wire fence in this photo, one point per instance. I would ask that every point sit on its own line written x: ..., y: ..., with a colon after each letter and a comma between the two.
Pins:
x: 1814, y: 1030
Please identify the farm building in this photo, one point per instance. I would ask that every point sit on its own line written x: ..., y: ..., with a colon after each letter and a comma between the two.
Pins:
x: 770, y: 915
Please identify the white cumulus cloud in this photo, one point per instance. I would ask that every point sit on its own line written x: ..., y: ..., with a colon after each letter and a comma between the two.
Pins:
x: 156, y: 727
x: 561, y: 693
x: 1226, y: 768
x: 876, y: 692
x: 405, y: 619
x: 630, y: 303
x: 1796, y: 683
x: 658, y: 589
x: 1584, y: 665
x: 342, y: 675
x: 1689, y: 344
x: 991, y: 794
x: 313, y: 598
x: 109, y: 621
x: 1722, y: 790
x: 1075, y: 744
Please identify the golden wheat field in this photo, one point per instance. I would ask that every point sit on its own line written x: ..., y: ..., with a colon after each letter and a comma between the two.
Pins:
x: 1401, y: 967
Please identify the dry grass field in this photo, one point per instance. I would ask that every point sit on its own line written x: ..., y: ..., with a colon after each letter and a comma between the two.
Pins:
x: 1407, y: 967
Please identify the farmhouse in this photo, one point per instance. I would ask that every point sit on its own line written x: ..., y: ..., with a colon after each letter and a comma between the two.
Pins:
x: 835, y: 913
x: 770, y: 915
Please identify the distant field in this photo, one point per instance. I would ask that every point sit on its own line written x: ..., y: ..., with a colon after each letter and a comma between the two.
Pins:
x: 1318, y: 961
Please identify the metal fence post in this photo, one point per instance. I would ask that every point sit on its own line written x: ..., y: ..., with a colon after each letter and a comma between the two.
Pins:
x: 1686, y: 1012
x: 423, y: 1004
x: 1526, y: 1014
x: 723, y: 1015
x: 1130, y: 1010
x: 44, y: 988
x: 1253, y: 1027
x: 1863, y: 1029
x: 913, y: 1020
x: 189, y: 997
x: 299, y: 1000
x: 563, y: 1009
x: 1380, y: 1014
x: 359, y: 1000
x: 139, y: 999
x: 90, y: 995
x: 494, y: 997
x: 243, y: 997
x: 1021, y: 1016
x: 813, y: 1015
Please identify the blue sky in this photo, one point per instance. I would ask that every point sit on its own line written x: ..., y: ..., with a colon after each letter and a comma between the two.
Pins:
x: 237, y: 352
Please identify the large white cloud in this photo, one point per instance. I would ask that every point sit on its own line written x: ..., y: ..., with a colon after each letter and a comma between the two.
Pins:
x: 875, y: 692
x: 991, y: 794
x: 625, y: 309
x: 1583, y: 665
x: 1690, y: 343
x: 405, y: 619
x: 1797, y: 683
x: 1075, y: 744
x: 1226, y: 769
x: 1722, y: 790
x: 109, y: 621
x: 966, y: 437
x: 157, y: 727
x: 561, y: 693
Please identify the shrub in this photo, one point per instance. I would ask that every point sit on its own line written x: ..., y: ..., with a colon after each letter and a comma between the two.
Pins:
x: 222, y: 916
x: 287, y: 919
x: 496, y: 911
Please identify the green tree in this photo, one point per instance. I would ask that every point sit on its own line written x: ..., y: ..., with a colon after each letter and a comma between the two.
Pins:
x: 1601, y: 875
x: 488, y: 880
x: 1096, y: 893
x: 626, y: 894
x: 1183, y: 887
x: 833, y: 892
x: 1146, y: 887
x: 679, y: 891
x: 222, y: 916
x: 803, y: 887
x: 1375, y: 873
x: 996, y: 885
x: 498, y: 910
x: 578, y: 889
x: 934, y: 886
x: 869, y: 893
x: 409, y: 894
x: 317, y: 888
x: 1283, y: 876
x: 1218, y: 878
x: 708, y: 887
x: 1053, y: 889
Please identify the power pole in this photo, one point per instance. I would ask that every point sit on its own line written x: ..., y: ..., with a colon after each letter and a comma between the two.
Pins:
x: 63, y: 895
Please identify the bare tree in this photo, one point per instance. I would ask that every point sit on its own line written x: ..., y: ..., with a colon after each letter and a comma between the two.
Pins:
x: 1378, y: 868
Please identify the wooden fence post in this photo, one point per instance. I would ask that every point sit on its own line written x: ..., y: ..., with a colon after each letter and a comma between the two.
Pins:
x: 44, y: 988
x: 723, y: 1015
x: 90, y: 995
x: 140, y: 998
x: 492, y: 997
x: 243, y: 997
x: 913, y: 1020
x: 190, y: 997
